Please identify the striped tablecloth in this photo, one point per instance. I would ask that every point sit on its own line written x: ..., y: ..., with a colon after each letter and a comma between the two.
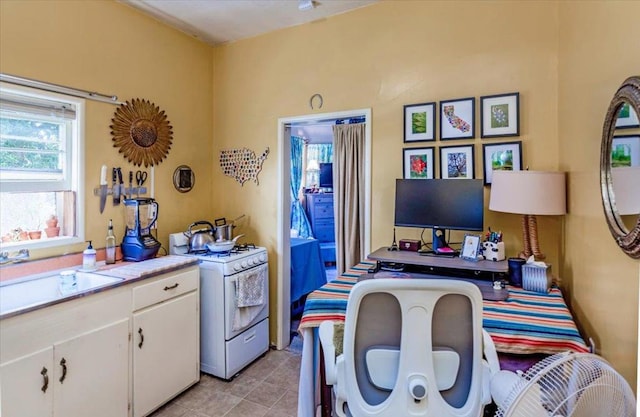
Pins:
x: 527, y: 322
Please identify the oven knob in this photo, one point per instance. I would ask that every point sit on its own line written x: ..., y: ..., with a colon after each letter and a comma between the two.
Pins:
x: 252, y: 261
x: 244, y: 264
x: 263, y: 258
x: 236, y: 267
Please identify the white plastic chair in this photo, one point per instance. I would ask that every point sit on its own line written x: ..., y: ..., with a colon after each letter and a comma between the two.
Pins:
x: 412, y: 347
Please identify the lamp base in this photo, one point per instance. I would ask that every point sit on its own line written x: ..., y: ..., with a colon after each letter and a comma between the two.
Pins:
x: 530, y: 238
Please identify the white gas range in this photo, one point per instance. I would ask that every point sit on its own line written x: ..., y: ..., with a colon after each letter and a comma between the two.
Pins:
x: 231, y: 337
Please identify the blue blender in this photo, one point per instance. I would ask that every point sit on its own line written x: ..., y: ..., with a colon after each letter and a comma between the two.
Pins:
x: 140, y: 215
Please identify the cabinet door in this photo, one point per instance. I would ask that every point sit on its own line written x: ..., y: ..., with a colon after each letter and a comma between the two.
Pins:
x: 27, y: 385
x: 166, y: 355
x: 91, y: 373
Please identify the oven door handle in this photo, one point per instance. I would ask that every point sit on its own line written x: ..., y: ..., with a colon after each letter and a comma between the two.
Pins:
x: 258, y: 269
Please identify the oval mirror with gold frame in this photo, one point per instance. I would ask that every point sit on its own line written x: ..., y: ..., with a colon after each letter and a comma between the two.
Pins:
x: 614, y: 189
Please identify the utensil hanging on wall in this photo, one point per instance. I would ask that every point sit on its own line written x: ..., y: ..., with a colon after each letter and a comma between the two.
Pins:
x: 103, y: 187
x: 115, y: 187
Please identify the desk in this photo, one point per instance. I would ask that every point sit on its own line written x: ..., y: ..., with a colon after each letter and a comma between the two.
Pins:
x: 454, y: 266
x: 525, y: 323
x: 307, y: 267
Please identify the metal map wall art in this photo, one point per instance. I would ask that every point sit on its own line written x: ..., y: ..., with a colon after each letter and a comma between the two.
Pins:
x: 242, y: 164
x: 142, y: 132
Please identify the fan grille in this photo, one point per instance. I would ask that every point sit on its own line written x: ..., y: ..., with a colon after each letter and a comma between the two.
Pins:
x: 570, y: 384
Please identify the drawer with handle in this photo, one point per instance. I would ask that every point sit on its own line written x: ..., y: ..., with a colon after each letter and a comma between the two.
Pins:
x: 323, y: 198
x: 323, y: 211
x: 172, y: 285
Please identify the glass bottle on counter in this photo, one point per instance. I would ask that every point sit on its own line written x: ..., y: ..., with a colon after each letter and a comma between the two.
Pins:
x: 110, y: 248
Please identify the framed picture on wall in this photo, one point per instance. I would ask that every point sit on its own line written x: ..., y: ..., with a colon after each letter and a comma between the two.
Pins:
x: 625, y: 151
x: 457, y: 118
x: 419, y: 122
x: 501, y: 156
x: 456, y: 162
x: 500, y: 115
x: 627, y: 117
x: 418, y: 163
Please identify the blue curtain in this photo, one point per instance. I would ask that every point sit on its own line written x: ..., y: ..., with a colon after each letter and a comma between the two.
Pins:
x: 299, y: 219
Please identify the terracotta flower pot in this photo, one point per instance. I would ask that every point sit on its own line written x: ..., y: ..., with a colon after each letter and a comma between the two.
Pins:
x: 35, y: 234
x: 52, y: 221
x: 52, y: 231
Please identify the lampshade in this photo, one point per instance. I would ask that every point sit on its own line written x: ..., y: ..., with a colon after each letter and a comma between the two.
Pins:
x: 313, y: 165
x: 528, y: 192
x: 626, y: 188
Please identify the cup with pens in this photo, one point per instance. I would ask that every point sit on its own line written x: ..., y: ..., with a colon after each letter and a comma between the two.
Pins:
x: 493, y: 246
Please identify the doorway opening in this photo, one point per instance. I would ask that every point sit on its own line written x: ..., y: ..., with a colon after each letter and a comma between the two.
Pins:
x: 283, y: 304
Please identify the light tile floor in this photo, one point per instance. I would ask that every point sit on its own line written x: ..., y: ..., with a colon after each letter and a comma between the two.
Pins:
x: 267, y: 388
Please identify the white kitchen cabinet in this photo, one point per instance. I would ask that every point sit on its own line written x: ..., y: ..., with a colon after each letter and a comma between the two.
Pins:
x: 27, y: 385
x: 93, y: 337
x: 166, y: 340
x: 91, y: 373
x: 79, y: 365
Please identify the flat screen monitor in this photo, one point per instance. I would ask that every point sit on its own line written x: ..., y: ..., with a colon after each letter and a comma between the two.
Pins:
x: 326, y: 175
x: 440, y: 204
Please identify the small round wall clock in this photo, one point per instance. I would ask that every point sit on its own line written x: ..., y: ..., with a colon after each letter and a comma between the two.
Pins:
x: 142, y: 132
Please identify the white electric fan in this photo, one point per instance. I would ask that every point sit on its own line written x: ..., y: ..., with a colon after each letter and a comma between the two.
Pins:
x: 563, y: 385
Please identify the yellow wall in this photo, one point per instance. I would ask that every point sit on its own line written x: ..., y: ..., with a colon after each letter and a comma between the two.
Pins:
x: 396, y: 53
x: 599, y: 49
x: 565, y: 58
x: 110, y: 48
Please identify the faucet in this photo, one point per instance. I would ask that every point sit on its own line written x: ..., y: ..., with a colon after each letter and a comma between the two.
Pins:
x: 23, y: 254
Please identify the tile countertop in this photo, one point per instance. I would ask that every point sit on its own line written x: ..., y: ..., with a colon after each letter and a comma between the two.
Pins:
x: 20, y: 296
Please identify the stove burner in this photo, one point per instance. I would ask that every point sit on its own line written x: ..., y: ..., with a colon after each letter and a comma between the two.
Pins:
x: 197, y: 251
x: 244, y: 247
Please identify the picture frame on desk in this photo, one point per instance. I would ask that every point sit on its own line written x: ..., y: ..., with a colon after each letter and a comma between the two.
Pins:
x: 470, y: 247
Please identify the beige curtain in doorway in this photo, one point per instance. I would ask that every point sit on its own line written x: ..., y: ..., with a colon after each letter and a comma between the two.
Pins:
x: 348, y: 193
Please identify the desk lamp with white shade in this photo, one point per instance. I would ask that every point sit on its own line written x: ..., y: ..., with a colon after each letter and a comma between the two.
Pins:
x: 313, y: 168
x: 530, y: 193
x: 626, y: 189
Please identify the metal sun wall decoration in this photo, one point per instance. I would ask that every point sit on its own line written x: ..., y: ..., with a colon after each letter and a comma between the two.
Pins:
x: 142, y: 132
x: 242, y: 164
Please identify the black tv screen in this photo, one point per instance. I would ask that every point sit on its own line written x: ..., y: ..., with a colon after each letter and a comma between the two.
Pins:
x: 440, y: 204
x: 326, y: 175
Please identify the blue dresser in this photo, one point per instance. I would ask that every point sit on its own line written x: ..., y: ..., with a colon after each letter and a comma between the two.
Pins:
x: 320, y: 212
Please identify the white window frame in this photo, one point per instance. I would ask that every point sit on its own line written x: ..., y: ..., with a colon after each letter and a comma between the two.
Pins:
x: 75, y: 156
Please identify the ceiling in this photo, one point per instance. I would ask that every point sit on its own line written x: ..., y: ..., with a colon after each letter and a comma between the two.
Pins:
x: 219, y: 21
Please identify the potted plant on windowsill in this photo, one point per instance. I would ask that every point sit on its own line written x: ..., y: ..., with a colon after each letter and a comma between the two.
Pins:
x: 52, y: 229
x: 35, y: 233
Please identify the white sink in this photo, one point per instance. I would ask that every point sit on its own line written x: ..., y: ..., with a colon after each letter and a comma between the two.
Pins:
x: 45, y: 288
